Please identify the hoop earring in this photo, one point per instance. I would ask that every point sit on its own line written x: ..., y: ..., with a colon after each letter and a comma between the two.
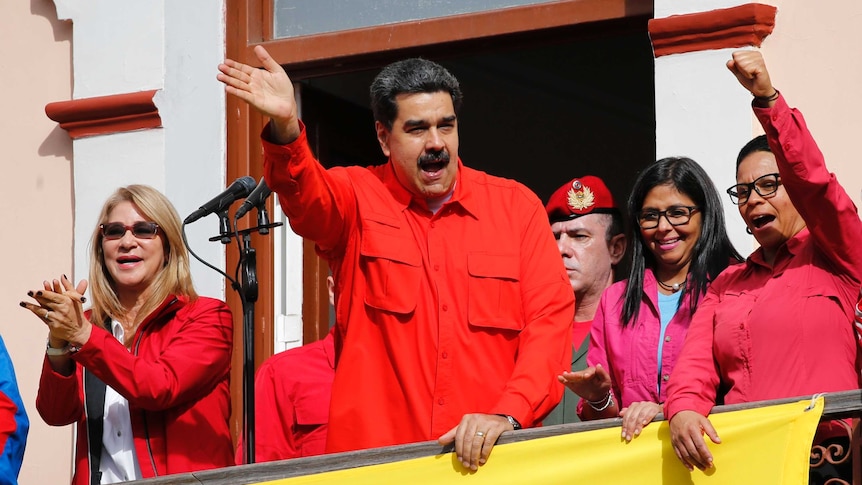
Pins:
x: 748, y: 230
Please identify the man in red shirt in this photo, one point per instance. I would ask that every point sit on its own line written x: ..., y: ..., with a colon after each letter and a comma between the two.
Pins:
x: 453, y: 310
x: 590, y: 236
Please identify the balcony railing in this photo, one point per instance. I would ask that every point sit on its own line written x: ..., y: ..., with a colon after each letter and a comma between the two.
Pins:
x: 838, y: 405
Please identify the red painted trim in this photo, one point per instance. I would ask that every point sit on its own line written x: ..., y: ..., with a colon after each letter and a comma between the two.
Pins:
x: 745, y: 25
x: 103, y: 115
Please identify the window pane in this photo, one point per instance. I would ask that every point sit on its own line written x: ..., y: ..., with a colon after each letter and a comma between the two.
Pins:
x: 294, y: 18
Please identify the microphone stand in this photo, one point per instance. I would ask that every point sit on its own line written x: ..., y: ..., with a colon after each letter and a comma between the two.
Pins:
x: 247, y: 289
x: 248, y: 295
x: 248, y: 263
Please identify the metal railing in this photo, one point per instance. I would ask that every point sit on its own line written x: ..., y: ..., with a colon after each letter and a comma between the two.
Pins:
x: 837, y: 405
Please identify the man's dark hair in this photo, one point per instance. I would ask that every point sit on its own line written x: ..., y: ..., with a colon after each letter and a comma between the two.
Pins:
x: 410, y: 76
x: 757, y: 144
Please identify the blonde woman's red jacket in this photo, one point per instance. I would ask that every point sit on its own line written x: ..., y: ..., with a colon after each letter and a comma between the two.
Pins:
x: 176, y: 379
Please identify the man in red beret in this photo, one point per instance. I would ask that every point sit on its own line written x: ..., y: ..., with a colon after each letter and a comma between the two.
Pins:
x: 589, y: 231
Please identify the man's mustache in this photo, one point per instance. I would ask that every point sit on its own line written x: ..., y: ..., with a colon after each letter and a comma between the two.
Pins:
x: 438, y: 157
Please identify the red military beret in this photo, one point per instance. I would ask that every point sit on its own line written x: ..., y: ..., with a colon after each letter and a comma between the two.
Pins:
x: 579, y: 197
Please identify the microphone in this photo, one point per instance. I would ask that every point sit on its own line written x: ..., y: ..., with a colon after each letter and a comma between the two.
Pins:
x: 239, y: 188
x: 257, y: 197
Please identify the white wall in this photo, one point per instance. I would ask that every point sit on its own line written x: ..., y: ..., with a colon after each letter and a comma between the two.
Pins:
x: 666, y: 8
x: 124, y: 46
x: 703, y: 113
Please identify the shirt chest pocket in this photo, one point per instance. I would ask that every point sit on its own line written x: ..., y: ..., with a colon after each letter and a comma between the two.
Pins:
x: 730, y: 325
x: 312, y: 405
x: 312, y: 415
x: 392, y: 268
x: 494, y: 291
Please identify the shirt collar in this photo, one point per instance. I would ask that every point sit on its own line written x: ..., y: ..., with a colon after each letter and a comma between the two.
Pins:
x: 118, y: 330
x: 461, y: 196
x: 790, y: 248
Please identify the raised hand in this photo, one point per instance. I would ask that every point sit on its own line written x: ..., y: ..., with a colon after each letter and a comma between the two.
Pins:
x: 268, y: 90
x: 592, y: 383
x: 59, y: 306
x: 750, y: 70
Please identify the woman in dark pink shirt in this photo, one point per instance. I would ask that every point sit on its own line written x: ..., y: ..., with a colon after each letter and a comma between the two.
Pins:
x: 779, y: 325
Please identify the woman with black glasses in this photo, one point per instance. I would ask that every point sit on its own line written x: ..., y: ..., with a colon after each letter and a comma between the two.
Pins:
x: 680, y: 245
x: 779, y: 325
x: 144, y: 372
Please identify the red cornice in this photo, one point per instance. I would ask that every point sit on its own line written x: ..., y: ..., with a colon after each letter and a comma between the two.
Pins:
x: 745, y: 25
x: 106, y: 114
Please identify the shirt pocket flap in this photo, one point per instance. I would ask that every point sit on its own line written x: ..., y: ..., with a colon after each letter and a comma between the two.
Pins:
x: 392, y: 268
x: 500, y: 266
x: 312, y: 405
x: 376, y: 244
x: 494, y: 292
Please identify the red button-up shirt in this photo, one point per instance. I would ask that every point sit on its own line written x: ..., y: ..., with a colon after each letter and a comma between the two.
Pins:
x: 292, y: 393
x: 768, y: 332
x: 463, y: 311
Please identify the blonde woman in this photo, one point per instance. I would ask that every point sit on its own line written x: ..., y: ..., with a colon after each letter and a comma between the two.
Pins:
x: 144, y: 372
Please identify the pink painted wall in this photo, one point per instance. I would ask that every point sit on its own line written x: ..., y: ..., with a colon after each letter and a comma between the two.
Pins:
x: 813, y: 58
x: 36, y: 202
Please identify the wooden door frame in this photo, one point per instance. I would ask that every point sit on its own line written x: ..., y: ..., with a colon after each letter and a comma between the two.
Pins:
x: 249, y: 23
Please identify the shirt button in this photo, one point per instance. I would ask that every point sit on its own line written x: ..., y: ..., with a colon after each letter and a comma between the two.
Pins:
x: 119, y: 433
x: 432, y: 225
x: 787, y: 147
x: 741, y: 326
x: 665, y: 377
x: 440, y: 401
x: 445, y: 308
x: 774, y: 117
x: 436, y: 267
x: 445, y: 355
x: 667, y: 338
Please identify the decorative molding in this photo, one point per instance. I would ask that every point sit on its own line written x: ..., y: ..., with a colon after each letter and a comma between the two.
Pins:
x: 104, y: 115
x: 744, y: 25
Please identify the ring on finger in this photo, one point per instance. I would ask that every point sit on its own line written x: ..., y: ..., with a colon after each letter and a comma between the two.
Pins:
x: 480, y: 434
x: 47, y: 312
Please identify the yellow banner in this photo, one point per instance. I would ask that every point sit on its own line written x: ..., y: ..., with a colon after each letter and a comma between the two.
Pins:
x: 763, y: 445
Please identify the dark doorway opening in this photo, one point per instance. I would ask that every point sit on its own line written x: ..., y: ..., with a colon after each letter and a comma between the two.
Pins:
x: 541, y: 113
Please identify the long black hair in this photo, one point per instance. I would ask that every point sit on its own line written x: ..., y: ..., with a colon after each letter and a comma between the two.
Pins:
x: 713, y: 250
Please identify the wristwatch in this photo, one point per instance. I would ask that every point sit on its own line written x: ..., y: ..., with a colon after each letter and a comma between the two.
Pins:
x: 514, y: 422
x: 68, y: 349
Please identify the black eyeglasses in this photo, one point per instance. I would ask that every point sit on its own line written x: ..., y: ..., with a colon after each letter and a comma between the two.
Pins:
x: 676, y: 215
x: 141, y: 230
x: 765, y: 186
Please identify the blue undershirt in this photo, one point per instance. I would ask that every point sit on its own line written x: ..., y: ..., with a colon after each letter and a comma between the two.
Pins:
x: 667, y: 308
